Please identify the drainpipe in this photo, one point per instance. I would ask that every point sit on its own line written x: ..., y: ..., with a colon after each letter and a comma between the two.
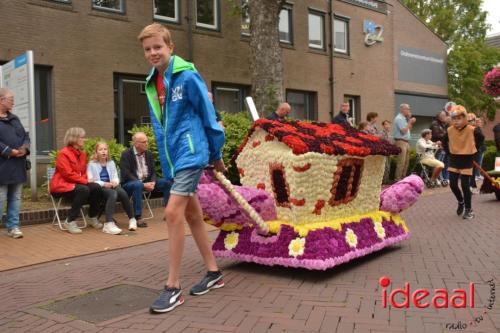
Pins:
x: 330, y: 51
x: 189, y: 19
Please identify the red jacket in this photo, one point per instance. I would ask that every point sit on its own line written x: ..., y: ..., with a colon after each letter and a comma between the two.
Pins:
x: 71, y: 169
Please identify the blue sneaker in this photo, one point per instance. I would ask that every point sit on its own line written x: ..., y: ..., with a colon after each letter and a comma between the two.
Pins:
x: 168, y: 300
x: 213, y: 280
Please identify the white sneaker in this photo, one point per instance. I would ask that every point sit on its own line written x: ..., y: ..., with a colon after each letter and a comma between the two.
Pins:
x: 438, y: 183
x: 132, y: 224
x: 72, y: 227
x: 111, y: 228
x: 94, y: 222
x: 15, y: 233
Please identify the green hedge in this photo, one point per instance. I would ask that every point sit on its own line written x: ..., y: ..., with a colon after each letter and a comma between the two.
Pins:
x: 115, y: 150
x: 236, y: 128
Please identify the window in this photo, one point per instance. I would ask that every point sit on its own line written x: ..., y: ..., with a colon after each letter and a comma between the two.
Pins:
x: 316, y: 30
x: 303, y: 104
x: 229, y: 97
x: 43, y: 110
x: 167, y: 10
x: 285, y: 25
x: 280, y: 186
x: 245, y: 18
x: 207, y: 12
x: 346, y: 181
x: 131, y: 105
x: 354, y: 108
x: 112, y: 5
x: 341, y: 35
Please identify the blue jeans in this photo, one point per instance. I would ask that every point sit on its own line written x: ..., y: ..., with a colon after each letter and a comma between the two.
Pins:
x: 443, y: 157
x: 135, y: 188
x: 479, y: 159
x: 11, y: 194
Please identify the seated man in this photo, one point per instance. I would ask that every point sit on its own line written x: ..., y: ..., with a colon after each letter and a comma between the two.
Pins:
x: 425, y: 151
x: 138, y: 174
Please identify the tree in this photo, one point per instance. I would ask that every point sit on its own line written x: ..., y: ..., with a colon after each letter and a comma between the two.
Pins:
x: 266, y: 66
x: 462, y: 25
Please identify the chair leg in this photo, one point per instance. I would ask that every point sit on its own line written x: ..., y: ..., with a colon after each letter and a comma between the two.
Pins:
x: 84, y: 225
x: 146, y: 198
x: 57, y: 218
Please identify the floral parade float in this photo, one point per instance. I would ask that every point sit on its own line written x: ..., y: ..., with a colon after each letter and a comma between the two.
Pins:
x: 311, y: 197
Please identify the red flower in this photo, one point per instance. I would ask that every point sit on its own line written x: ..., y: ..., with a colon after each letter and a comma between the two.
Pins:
x: 269, y: 137
x: 297, y: 202
x: 261, y: 186
x: 303, y: 168
x: 319, y: 205
x: 298, y: 146
x: 242, y: 172
x: 255, y: 143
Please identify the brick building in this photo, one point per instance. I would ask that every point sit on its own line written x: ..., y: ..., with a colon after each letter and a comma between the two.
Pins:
x: 90, y: 68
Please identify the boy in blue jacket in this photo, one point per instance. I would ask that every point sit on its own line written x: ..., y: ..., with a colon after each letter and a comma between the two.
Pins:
x: 188, y: 139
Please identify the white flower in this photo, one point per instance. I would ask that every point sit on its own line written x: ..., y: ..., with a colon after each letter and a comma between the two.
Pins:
x: 379, y: 229
x: 351, y: 238
x: 231, y: 240
x: 296, y: 247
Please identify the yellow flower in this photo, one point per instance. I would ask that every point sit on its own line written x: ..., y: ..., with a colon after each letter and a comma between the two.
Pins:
x: 379, y: 229
x: 231, y: 241
x: 296, y: 247
x: 351, y: 238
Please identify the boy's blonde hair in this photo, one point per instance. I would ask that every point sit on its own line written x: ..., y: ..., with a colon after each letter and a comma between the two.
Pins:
x: 72, y: 135
x: 156, y: 29
x: 94, y: 157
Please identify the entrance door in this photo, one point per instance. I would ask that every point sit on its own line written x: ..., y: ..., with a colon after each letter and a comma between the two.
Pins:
x: 131, y: 106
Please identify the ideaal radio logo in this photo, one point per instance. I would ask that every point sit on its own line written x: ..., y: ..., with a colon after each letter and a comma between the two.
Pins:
x: 439, y: 299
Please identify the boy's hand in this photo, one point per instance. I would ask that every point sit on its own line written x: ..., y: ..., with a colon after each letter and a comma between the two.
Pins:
x: 219, y: 166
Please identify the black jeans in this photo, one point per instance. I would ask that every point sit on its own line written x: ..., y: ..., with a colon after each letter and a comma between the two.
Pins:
x: 113, y: 194
x: 465, y: 184
x: 91, y: 193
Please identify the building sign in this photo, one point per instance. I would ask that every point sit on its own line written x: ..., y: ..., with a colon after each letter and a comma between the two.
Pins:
x: 421, y: 66
x: 19, y: 76
x: 373, y: 32
x: 376, y: 5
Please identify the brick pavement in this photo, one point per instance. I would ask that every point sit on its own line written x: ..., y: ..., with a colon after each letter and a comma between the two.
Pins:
x: 443, y: 252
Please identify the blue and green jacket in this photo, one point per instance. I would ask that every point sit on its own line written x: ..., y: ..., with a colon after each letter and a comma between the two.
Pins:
x: 186, y: 131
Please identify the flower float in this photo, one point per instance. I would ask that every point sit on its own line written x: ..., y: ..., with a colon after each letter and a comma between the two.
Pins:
x: 311, y: 197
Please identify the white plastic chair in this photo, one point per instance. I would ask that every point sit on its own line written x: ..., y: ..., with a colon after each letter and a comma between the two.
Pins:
x: 56, y: 203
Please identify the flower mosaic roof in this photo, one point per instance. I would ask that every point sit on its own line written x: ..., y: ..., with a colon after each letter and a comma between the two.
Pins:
x: 332, y: 139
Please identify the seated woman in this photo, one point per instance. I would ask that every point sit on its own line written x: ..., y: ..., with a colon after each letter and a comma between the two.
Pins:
x: 70, y: 180
x: 102, y: 170
x: 425, y: 151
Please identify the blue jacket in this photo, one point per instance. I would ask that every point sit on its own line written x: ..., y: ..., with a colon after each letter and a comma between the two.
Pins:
x: 12, y: 136
x: 186, y: 131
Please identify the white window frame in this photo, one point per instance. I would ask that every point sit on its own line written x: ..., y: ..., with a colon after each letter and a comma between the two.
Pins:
x: 121, y: 10
x: 175, y: 19
x: 215, y: 26
x: 345, y: 21
x: 321, y: 15
x: 289, y: 8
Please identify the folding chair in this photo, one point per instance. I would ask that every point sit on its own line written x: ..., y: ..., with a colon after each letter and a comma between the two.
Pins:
x: 147, y: 196
x: 56, y: 203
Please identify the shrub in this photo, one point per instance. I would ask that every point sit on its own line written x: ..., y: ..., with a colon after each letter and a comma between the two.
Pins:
x: 489, y: 158
x: 115, y: 150
x: 236, y: 128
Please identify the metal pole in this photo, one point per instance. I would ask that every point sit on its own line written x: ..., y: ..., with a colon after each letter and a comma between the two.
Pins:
x: 32, y: 127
